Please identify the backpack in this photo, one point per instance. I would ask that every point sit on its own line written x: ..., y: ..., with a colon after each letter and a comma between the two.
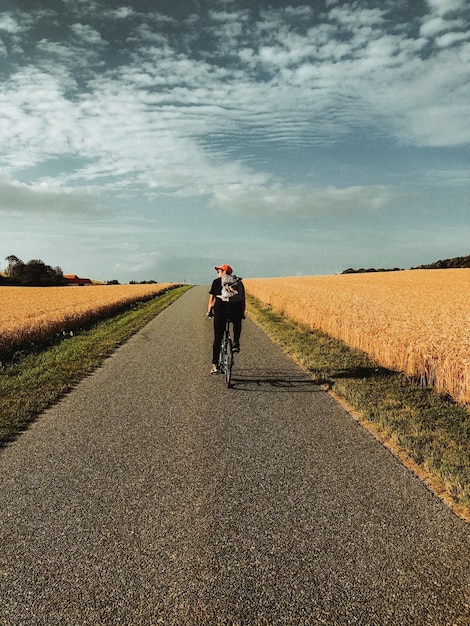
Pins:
x: 232, y: 289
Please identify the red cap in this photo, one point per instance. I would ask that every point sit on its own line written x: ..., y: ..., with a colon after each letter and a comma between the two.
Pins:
x: 226, y: 268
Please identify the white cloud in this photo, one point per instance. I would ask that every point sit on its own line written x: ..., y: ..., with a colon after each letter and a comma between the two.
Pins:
x: 306, y: 201
x: 442, y: 7
x: 435, y: 25
x: 304, y: 12
x: 10, y: 24
x: 89, y: 7
x: 450, y: 39
x: 436, y: 123
x: 353, y: 16
x: 36, y: 120
x: 224, y: 17
x: 86, y: 33
x: 47, y: 199
x: 122, y: 13
x: 439, y: 91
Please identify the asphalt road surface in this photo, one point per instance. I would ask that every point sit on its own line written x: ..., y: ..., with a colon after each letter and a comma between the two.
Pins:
x: 151, y: 494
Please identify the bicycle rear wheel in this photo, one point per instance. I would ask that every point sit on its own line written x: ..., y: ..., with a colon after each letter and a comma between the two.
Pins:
x: 228, y: 362
x: 221, y: 362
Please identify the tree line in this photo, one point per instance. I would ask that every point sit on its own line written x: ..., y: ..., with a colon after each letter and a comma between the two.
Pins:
x: 455, y: 262
x: 34, y: 273
x: 442, y: 264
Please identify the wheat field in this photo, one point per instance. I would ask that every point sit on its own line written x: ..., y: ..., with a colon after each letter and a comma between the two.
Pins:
x: 32, y: 314
x: 413, y: 321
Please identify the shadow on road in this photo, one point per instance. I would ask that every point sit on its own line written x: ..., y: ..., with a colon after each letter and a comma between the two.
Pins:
x: 273, y: 381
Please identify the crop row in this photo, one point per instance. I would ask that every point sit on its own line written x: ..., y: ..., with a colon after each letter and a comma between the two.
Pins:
x: 416, y: 321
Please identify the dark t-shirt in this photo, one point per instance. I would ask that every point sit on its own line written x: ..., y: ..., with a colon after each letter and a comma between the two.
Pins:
x: 216, y: 288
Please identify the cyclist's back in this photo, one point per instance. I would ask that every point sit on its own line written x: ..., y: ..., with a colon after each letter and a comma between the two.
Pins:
x: 222, y: 309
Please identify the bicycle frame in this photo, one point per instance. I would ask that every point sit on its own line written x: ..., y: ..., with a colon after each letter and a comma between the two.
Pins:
x: 226, y: 354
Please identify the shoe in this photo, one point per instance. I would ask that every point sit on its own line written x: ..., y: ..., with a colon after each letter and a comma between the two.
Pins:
x: 214, y: 369
x: 236, y: 347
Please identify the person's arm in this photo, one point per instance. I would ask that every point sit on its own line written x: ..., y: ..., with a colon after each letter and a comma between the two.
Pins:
x: 211, y: 304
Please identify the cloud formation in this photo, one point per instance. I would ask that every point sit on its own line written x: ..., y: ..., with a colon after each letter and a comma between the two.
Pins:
x: 43, y: 199
x: 212, y: 101
x: 354, y: 66
x: 308, y: 201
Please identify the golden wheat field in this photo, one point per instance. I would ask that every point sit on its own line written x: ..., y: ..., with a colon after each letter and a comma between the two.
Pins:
x: 35, y: 313
x: 413, y: 321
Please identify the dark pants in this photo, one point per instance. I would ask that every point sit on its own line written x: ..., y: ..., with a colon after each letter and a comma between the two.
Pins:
x: 224, y: 311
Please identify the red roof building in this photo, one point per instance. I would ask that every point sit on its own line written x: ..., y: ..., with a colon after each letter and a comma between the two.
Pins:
x: 73, y: 279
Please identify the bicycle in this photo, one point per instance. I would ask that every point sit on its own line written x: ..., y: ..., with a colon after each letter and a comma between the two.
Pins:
x: 226, y: 354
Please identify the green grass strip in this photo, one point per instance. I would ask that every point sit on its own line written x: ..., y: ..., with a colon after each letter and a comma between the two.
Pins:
x: 41, y: 379
x: 417, y: 423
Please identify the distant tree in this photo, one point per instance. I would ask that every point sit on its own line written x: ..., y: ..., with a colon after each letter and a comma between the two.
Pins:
x: 369, y: 270
x: 14, y: 268
x: 36, y: 273
x: 456, y: 262
x: 59, y: 276
x: 113, y: 282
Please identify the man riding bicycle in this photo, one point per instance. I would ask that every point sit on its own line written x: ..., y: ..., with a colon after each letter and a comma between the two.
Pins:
x: 222, y: 306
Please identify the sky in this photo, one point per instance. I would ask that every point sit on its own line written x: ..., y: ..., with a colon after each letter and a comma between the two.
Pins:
x: 151, y: 140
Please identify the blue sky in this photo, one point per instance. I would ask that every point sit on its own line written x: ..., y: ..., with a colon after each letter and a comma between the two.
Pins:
x: 152, y: 140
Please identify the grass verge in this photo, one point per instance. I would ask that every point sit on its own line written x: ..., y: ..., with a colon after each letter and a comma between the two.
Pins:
x: 41, y: 379
x: 428, y: 432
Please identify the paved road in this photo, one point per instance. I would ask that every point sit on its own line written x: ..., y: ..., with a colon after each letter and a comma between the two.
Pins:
x: 153, y: 495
